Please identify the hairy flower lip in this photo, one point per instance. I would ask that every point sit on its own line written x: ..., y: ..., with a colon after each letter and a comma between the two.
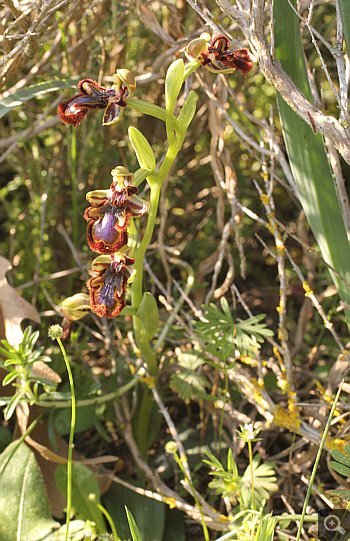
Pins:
x: 108, y: 287
x: 109, y: 217
x: 94, y: 96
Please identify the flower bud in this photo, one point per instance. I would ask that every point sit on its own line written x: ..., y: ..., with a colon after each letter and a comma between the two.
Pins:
x: 55, y: 331
x: 149, y: 316
x: 76, y: 307
x: 171, y: 447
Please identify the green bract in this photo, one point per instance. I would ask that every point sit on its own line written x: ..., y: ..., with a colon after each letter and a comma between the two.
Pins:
x: 149, y: 316
x: 173, y: 84
x: 186, y: 114
x: 142, y: 149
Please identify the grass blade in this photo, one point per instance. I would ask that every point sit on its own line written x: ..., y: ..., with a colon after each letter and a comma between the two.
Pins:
x: 345, y: 19
x: 14, y: 99
x: 133, y: 526
x: 307, y: 155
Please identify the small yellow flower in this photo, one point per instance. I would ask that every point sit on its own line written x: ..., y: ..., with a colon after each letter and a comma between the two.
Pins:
x: 289, y: 419
x: 336, y: 443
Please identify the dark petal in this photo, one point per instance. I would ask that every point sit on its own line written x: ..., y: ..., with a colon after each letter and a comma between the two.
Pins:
x: 112, y: 114
x: 75, y: 109
x: 85, y: 102
x: 75, y: 118
x: 240, y: 60
x: 89, y: 87
x: 129, y: 261
x: 220, y: 43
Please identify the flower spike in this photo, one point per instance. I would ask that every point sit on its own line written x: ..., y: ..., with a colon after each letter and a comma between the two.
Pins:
x: 94, y: 96
x: 108, y: 286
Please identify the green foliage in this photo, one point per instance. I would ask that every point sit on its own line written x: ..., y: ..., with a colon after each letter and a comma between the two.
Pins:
x: 149, y: 514
x: 307, y: 154
x: 345, y: 18
x: 18, y: 97
x: 143, y: 149
x: 342, y: 464
x: 239, y: 488
x: 148, y: 315
x: 19, y: 363
x: 136, y: 536
x: 188, y: 383
x: 25, y: 511
x: 223, y: 334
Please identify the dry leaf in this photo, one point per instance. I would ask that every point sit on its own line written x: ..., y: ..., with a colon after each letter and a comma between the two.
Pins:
x: 13, y: 308
x: 149, y: 19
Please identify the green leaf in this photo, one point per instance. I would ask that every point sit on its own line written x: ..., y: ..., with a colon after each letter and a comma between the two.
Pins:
x: 264, y: 479
x: 142, y: 149
x: 186, y: 114
x: 345, y: 19
x: 18, y: 97
x: 25, y: 511
x: 149, y: 514
x: 226, y: 335
x: 10, y: 377
x: 340, y: 468
x: 173, y: 83
x: 83, y: 484
x: 340, y: 457
x: 13, y: 355
x: 75, y: 533
x: 11, y: 406
x: 188, y: 383
x: 133, y: 526
x: 140, y: 175
x: 307, y: 155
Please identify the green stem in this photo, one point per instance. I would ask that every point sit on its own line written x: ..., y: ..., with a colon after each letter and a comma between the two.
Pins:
x: 204, y: 526
x: 110, y: 520
x: 317, y: 460
x: 61, y: 404
x: 142, y: 426
x: 252, y: 472
x: 71, y: 438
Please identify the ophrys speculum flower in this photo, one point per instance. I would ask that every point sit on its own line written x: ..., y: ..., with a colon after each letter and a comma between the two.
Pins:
x: 111, y: 211
x: 95, y: 96
x: 108, y: 286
